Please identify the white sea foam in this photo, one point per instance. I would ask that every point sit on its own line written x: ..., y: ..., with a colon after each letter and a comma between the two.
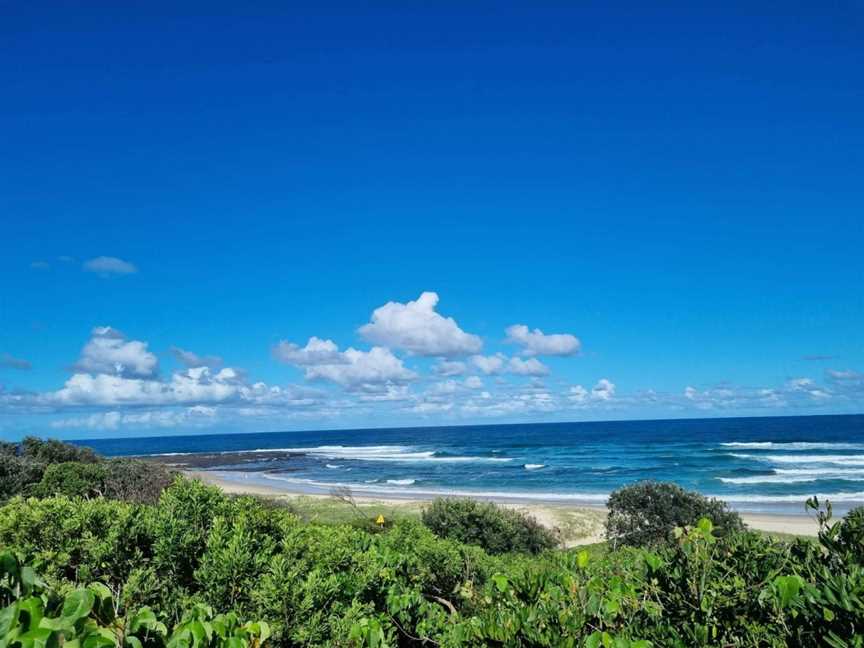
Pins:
x: 792, y: 445
x: 779, y: 499
x: 790, y: 479
x: 818, y: 471
x: 846, y: 460
x: 401, y: 482
x: 378, y: 453
x: 333, y: 466
x: 534, y: 466
x: 766, y: 479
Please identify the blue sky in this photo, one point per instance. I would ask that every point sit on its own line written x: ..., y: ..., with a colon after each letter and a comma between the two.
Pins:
x: 677, y: 188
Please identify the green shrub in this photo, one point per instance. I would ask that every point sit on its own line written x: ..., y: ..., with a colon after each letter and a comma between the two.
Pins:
x: 133, y: 480
x: 17, y: 475
x: 645, y: 513
x: 337, y: 585
x: 496, y: 529
x: 34, y: 616
x: 50, y: 451
x: 22, y: 465
x: 73, y: 479
x: 124, y: 479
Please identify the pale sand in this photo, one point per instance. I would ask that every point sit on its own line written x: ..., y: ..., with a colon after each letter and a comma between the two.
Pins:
x: 579, y: 525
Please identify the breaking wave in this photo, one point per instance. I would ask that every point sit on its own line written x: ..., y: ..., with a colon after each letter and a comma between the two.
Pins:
x: 792, y: 445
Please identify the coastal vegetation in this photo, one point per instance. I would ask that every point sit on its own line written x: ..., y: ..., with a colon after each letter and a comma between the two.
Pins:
x: 49, y: 467
x: 197, y: 568
x: 495, y: 529
x: 648, y: 512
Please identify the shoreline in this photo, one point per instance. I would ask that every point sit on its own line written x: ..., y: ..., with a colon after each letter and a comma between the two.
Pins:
x: 589, y: 519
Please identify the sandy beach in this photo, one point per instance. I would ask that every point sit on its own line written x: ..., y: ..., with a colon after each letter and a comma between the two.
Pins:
x: 579, y: 525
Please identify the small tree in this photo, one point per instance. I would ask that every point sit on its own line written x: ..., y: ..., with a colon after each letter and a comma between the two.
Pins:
x: 645, y: 513
x: 496, y: 529
x: 73, y: 479
x: 52, y: 451
x: 17, y: 474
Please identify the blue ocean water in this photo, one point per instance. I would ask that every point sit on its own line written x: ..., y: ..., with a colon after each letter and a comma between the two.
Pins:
x: 756, y: 464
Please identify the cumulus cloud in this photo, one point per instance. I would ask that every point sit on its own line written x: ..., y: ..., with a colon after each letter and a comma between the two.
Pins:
x: 796, y: 392
x: 474, y: 382
x: 198, y: 385
x: 529, y: 367
x: 417, y: 328
x: 489, y: 365
x: 8, y: 361
x: 538, y: 343
x: 109, y: 352
x: 106, y: 265
x: 448, y: 368
x: 378, y: 365
x: 316, y: 352
x: 322, y: 360
x: 195, y: 415
x: 847, y: 382
x: 525, y: 402
x: 577, y: 394
x: 604, y: 390
x: 191, y: 359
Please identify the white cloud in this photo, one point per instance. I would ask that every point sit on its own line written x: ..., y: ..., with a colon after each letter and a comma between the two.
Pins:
x: 378, y: 365
x: 316, y: 352
x: 191, y: 416
x: 473, y: 382
x: 448, y: 368
x: 431, y: 408
x: 604, y: 390
x: 538, y: 343
x: 109, y: 352
x: 388, y: 392
x: 353, y: 369
x: 417, y: 328
x: 517, y: 404
x: 489, y: 364
x: 529, y: 367
x: 577, y: 394
x: 848, y: 382
x: 105, y: 266
x: 194, y: 386
x: 191, y: 359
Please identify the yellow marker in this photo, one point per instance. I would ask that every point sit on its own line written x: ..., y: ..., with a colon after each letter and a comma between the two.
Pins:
x: 380, y: 520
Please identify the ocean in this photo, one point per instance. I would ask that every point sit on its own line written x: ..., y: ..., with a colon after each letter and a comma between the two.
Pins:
x: 756, y: 464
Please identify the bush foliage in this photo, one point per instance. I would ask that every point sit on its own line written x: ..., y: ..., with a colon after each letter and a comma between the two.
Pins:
x: 338, y: 585
x: 646, y: 513
x: 48, y: 467
x: 34, y: 616
x: 494, y: 528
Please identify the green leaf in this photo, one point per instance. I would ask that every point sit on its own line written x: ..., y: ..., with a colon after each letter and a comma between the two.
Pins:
x: 500, y: 581
x: 8, y: 566
x: 788, y: 588
x: 104, y: 605
x: 705, y: 525
x: 593, y: 640
x: 8, y: 619
x: 78, y: 605
x: 652, y: 560
x: 33, y: 612
x: 582, y: 559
